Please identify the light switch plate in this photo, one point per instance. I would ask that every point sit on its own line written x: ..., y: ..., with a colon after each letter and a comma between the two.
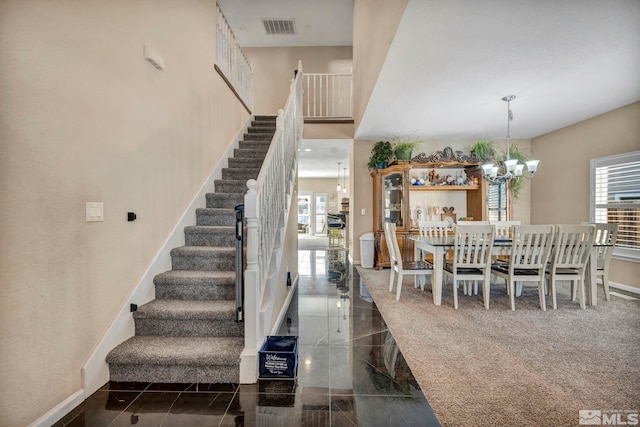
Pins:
x: 94, y: 211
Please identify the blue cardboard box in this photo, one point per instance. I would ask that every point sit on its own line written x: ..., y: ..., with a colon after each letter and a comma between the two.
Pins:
x: 278, y: 357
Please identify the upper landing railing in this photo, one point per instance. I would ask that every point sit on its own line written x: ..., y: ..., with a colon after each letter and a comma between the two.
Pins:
x: 328, y: 96
x: 232, y: 63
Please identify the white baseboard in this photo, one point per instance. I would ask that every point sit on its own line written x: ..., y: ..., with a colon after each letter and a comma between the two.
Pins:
x: 351, y: 260
x: 285, y: 306
x: 95, y: 372
x: 60, y: 410
x: 627, y: 288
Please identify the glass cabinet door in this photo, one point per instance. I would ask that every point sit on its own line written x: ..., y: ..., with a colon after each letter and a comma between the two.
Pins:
x: 393, y: 199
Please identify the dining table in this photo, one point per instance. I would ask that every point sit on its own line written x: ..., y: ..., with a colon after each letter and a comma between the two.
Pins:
x: 440, y: 245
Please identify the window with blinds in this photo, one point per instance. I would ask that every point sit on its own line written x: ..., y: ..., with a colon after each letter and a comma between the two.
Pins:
x: 615, y: 198
x: 497, y: 203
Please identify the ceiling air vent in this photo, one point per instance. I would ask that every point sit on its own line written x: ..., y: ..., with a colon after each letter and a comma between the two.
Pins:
x: 279, y: 26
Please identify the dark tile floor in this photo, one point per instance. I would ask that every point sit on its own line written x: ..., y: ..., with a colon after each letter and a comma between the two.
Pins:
x: 350, y: 371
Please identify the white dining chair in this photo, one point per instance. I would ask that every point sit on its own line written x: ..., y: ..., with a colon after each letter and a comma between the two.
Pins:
x: 467, y: 289
x: 471, y: 258
x: 606, y: 237
x: 530, y: 249
x: 433, y: 228
x: 503, y: 231
x: 465, y: 222
x: 569, y: 257
x: 400, y: 267
x: 430, y: 229
x: 503, y: 228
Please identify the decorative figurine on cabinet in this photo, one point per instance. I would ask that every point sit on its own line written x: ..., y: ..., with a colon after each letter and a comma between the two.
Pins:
x: 449, y: 216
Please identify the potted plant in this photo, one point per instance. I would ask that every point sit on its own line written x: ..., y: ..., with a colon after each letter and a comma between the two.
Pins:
x: 484, y: 150
x: 403, y: 148
x: 381, y: 154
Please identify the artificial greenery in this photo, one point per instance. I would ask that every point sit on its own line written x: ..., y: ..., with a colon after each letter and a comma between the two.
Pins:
x: 381, y: 153
x: 517, y: 182
x: 484, y: 150
x: 403, y: 147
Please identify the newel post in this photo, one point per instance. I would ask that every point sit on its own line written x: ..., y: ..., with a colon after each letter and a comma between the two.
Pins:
x: 249, y: 358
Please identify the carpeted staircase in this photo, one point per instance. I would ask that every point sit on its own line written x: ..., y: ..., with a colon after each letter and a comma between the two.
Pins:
x: 188, y: 333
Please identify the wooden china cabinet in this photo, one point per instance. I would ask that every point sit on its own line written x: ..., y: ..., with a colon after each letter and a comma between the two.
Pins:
x: 392, y: 190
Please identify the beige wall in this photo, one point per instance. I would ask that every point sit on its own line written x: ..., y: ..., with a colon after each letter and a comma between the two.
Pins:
x: 324, y: 185
x: 374, y: 26
x: 273, y: 69
x: 328, y: 131
x: 85, y: 118
x: 560, y: 190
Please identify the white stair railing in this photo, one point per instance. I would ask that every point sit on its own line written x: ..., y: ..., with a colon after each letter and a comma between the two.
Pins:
x: 266, y: 206
x: 232, y: 62
x: 328, y: 96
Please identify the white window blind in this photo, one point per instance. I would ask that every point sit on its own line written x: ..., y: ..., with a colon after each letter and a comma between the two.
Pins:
x: 615, y: 198
x: 497, y: 202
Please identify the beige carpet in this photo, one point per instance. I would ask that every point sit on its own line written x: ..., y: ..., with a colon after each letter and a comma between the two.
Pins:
x: 496, y: 367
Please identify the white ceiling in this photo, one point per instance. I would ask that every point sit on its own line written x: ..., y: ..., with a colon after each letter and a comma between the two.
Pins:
x: 317, y: 22
x: 318, y: 158
x: 450, y: 64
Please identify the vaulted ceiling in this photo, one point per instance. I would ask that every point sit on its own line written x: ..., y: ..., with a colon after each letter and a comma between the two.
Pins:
x: 451, y: 62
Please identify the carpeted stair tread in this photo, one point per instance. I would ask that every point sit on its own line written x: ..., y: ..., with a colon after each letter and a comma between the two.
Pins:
x: 198, y: 351
x: 240, y: 173
x: 210, y: 235
x: 187, y: 309
x: 231, y: 186
x: 262, y: 136
x: 263, y: 128
x: 203, y: 251
x: 245, y: 162
x: 254, y: 145
x: 203, y: 258
x: 250, y: 153
x: 216, y: 217
x: 195, y: 285
x: 220, y: 211
x: 224, y: 200
x: 184, y: 277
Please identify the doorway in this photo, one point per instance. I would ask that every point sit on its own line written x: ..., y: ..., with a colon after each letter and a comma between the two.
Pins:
x: 305, y: 208
x: 320, y: 214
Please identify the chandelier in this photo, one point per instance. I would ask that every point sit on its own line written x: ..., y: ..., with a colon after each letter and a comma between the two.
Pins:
x: 344, y: 181
x: 338, y: 187
x: 510, y: 168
